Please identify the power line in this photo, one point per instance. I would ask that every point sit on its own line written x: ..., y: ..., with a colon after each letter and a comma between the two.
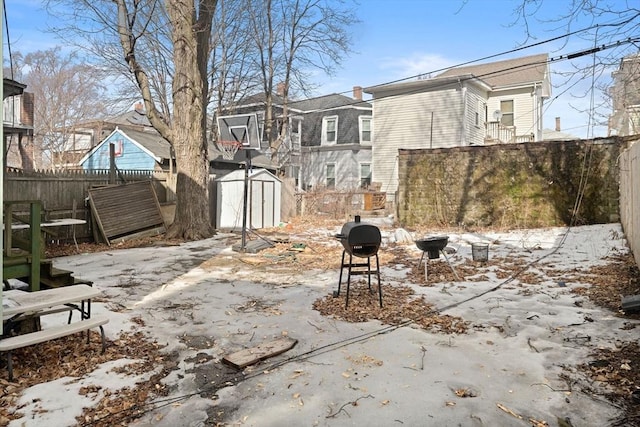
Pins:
x: 6, y: 24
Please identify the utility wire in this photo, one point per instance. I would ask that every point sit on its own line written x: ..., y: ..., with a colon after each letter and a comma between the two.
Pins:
x: 480, y: 76
x: 6, y: 24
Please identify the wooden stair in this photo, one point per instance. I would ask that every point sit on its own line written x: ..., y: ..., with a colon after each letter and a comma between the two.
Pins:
x: 53, y: 277
x: 50, y: 276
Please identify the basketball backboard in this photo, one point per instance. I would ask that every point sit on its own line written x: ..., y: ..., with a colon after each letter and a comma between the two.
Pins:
x: 241, y: 128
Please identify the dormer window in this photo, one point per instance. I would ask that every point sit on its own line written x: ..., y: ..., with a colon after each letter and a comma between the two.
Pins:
x: 330, y: 130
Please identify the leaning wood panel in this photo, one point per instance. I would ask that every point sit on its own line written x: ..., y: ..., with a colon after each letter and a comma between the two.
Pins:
x: 125, y: 209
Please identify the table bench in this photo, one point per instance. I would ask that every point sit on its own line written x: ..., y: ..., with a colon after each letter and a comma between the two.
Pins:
x: 19, y: 306
x: 25, y: 340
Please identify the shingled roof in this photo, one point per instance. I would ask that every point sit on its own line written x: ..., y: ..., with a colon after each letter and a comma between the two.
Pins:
x: 327, y: 102
x: 507, y: 73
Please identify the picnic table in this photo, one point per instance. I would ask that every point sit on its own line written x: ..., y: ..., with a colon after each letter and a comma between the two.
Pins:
x: 18, y: 305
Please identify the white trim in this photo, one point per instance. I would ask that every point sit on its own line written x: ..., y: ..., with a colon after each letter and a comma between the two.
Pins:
x: 326, y: 175
x: 361, y: 119
x: 325, y: 120
x: 360, y: 164
x: 123, y: 133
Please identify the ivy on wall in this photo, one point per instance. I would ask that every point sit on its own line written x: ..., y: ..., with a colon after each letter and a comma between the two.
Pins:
x: 511, y: 186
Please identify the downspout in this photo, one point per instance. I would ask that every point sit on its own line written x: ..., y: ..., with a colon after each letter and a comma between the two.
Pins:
x: 463, y: 121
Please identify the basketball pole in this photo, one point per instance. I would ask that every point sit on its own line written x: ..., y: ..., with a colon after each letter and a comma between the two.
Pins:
x: 247, y: 165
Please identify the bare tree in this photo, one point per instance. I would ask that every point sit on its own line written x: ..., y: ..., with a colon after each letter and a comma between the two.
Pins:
x: 164, y: 44
x: 296, y: 38
x: 233, y: 72
x: 66, y: 91
x: 612, y: 30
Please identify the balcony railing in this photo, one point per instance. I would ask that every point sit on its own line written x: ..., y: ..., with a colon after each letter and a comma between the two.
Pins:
x: 497, y: 133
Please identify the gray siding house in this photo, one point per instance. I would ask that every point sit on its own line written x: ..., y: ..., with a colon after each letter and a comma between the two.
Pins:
x: 328, y: 144
x: 337, y: 132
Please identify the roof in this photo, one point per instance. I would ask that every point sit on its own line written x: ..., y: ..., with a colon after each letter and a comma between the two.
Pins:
x: 328, y: 102
x: 253, y: 174
x: 12, y: 87
x: 556, y: 135
x: 510, y: 72
x: 135, y: 117
x: 151, y: 141
x: 413, y: 86
x: 325, y: 102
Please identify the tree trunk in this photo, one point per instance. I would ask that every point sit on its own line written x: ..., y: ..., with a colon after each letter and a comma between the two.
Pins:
x: 189, y: 118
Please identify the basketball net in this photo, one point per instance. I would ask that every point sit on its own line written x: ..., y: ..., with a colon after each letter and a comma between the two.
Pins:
x: 228, y: 148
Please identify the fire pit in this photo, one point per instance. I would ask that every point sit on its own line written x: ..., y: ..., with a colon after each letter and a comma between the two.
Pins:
x: 433, y: 246
x: 360, y: 240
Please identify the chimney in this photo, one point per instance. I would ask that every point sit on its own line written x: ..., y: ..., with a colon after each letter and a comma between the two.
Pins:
x: 357, y: 93
x: 139, y: 107
x: 280, y: 89
x: 26, y: 105
x: 557, y: 124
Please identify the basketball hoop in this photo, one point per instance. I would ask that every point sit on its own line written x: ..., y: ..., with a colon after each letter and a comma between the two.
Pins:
x: 228, y: 148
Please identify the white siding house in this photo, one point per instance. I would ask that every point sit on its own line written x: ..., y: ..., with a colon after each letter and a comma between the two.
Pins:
x: 499, y: 102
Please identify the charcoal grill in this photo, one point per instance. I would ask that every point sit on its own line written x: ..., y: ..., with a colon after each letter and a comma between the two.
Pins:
x: 360, y: 240
x: 433, y: 246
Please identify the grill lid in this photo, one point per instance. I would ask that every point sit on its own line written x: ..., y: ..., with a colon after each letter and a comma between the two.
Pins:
x: 359, y: 238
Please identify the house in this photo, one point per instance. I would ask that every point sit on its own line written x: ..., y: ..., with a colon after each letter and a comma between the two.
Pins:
x: 328, y: 140
x: 625, y: 96
x: 493, y: 103
x: 557, y: 134
x: 17, y: 127
x: 132, y: 150
x: 336, y: 141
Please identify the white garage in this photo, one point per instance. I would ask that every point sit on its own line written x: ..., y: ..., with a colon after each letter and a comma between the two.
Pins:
x: 263, y: 200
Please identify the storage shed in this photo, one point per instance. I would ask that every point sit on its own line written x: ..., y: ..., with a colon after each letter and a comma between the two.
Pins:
x: 263, y: 200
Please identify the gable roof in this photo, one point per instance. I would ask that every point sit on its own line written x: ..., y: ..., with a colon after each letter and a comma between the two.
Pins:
x: 507, y: 73
x: 436, y: 83
x: 150, y: 142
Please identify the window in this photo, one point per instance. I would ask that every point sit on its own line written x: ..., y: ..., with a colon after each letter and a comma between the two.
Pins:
x: 506, y: 108
x: 330, y: 130
x: 331, y: 175
x: 365, y: 129
x: 365, y: 175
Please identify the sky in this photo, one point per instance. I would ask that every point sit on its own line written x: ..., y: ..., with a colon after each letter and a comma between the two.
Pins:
x: 400, y: 39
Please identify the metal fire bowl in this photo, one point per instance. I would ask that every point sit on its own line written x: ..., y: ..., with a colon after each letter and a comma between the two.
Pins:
x: 433, y: 245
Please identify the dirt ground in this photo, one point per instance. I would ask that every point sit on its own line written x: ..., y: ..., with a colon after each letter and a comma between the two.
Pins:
x: 617, y: 369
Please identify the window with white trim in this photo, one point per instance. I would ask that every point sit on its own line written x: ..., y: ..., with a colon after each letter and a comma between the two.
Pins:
x: 331, y: 175
x: 330, y: 130
x: 506, y: 108
x: 365, y: 175
x: 365, y: 129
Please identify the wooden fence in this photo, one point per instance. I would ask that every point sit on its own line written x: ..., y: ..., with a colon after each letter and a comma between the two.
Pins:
x: 64, y: 193
x: 630, y: 197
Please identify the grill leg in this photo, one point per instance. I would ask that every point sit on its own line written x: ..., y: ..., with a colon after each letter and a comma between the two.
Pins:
x: 379, y: 284
x: 348, y: 280
x: 369, y: 272
x: 335, y: 295
x: 452, y: 269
